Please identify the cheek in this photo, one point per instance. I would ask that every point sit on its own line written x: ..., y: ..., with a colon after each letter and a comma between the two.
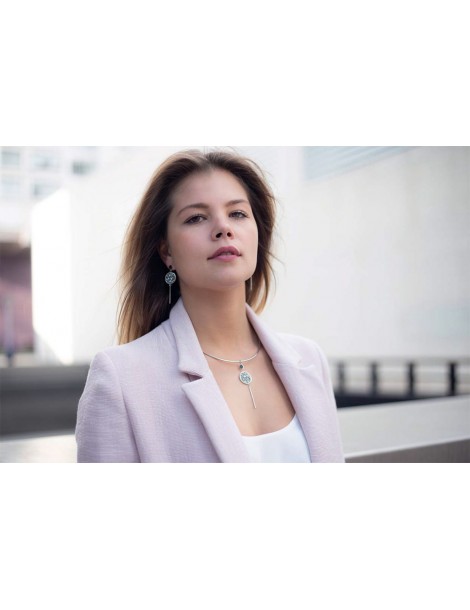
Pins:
x: 186, y: 251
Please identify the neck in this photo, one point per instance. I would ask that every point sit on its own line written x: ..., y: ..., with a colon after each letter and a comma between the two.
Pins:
x: 221, y: 323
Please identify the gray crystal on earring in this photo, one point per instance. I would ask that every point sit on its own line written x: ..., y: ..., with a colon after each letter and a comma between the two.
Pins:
x: 170, y: 278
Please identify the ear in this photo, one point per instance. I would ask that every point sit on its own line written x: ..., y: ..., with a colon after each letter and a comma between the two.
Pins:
x: 165, y: 254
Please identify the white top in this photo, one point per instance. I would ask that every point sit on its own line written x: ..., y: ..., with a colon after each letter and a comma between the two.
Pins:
x: 285, y: 445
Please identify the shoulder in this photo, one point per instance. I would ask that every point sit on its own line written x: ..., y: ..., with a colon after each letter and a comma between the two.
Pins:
x: 284, y: 346
x: 157, y: 341
x: 299, y: 342
x: 306, y: 348
x: 309, y: 352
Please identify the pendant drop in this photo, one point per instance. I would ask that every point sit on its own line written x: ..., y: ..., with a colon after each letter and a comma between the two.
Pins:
x: 246, y: 379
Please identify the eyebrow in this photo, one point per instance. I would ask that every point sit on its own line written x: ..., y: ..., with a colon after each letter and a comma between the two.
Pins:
x: 204, y: 206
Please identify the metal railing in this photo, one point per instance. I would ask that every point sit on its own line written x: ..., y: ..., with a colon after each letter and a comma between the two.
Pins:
x: 397, y: 379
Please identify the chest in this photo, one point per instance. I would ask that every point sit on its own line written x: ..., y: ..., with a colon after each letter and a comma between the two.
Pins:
x: 273, y: 410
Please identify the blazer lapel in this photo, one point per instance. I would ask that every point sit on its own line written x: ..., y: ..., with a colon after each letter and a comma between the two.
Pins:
x: 210, y: 405
x: 305, y: 388
x: 308, y: 397
x: 203, y: 392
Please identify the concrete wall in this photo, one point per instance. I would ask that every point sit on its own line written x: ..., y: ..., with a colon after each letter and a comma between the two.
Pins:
x: 436, y: 430
x: 377, y: 260
x: 52, y: 278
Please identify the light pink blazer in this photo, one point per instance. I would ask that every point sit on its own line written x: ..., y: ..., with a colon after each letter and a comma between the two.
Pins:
x: 156, y: 400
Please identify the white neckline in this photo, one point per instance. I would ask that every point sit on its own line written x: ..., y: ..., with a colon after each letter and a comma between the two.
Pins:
x: 266, y: 434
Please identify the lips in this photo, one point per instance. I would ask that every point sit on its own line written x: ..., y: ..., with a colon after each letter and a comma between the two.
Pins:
x: 229, y: 250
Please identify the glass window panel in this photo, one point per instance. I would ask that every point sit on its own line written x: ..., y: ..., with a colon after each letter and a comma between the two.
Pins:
x: 45, y: 160
x: 82, y: 167
x: 11, y: 157
x: 40, y: 190
x: 10, y: 187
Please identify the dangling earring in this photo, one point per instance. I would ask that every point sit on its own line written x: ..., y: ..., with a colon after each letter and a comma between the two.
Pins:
x: 249, y: 288
x: 170, y: 278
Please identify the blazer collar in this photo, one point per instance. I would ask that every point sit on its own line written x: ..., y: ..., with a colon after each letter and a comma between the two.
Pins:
x: 191, y: 358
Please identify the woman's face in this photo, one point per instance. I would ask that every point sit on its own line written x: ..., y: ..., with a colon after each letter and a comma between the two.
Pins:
x: 212, y: 236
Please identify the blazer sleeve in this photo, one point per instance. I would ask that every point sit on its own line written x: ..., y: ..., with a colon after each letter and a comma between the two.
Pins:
x: 103, y: 430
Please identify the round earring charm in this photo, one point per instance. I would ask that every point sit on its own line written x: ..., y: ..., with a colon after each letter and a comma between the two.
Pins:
x: 170, y: 279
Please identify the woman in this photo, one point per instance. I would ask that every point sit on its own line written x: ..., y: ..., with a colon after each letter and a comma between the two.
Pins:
x: 199, y: 377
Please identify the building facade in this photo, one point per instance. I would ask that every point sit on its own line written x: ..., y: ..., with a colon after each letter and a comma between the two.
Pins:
x: 28, y: 174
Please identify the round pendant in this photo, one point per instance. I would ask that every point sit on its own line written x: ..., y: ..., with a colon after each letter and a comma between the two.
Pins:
x: 246, y: 378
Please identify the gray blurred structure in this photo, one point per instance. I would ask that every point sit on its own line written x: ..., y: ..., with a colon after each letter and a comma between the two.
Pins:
x: 418, y: 431
x: 435, y: 430
x: 43, y: 399
x: 28, y: 174
x: 360, y: 381
x: 35, y: 400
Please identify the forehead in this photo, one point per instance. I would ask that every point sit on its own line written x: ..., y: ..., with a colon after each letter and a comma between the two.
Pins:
x: 211, y: 187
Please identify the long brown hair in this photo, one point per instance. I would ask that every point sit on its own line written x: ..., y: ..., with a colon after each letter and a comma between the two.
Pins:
x: 143, y: 304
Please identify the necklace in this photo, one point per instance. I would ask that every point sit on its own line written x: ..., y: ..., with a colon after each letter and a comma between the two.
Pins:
x: 244, y: 376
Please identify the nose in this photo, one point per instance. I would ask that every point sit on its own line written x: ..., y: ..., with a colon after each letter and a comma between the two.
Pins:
x: 222, y: 230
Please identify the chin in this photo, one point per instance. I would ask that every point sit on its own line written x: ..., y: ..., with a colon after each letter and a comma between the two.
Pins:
x: 217, y: 285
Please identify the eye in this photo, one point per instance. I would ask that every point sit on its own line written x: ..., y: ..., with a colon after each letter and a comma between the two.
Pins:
x: 239, y: 214
x: 194, y: 219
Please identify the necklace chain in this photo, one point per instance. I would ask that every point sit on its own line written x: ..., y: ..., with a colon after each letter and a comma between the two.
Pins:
x: 236, y: 361
x: 244, y: 376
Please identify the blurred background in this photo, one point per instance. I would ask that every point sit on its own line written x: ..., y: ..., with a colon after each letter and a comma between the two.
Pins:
x: 374, y: 258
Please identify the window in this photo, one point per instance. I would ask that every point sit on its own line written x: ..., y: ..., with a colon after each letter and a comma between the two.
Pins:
x: 11, y: 157
x: 82, y: 167
x: 326, y: 161
x: 10, y: 187
x: 41, y: 190
x: 45, y: 160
